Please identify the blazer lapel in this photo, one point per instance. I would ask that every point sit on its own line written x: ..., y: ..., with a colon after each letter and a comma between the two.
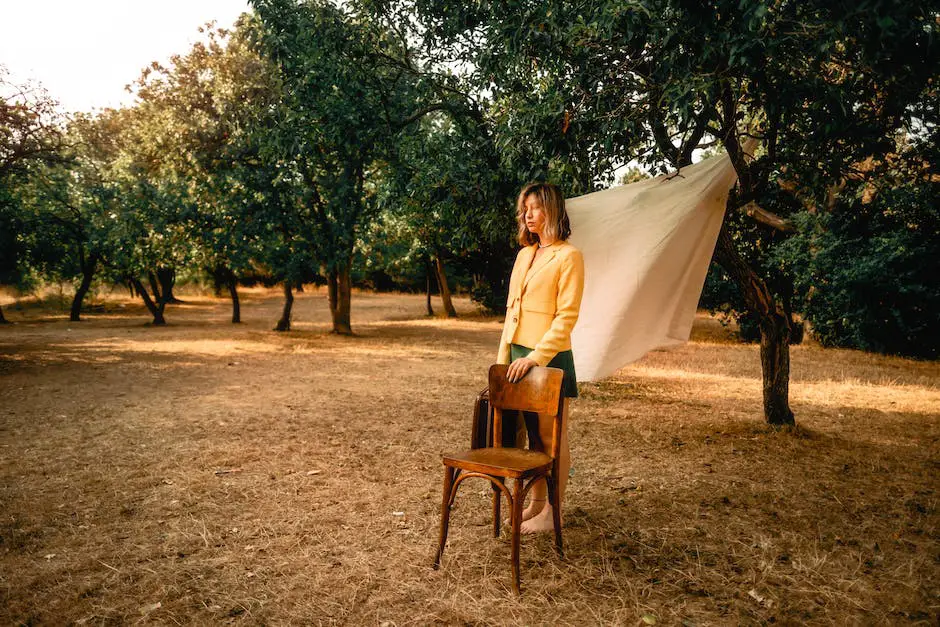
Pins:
x: 540, y: 263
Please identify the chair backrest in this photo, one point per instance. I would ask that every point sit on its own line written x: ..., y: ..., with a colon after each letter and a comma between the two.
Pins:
x: 539, y: 391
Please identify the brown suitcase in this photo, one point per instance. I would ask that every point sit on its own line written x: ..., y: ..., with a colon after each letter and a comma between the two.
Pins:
x: 482, y: 432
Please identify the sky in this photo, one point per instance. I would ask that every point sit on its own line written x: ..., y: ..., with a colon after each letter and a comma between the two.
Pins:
x: 84, y: 52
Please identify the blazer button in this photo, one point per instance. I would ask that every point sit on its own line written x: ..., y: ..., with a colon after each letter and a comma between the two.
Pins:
x: 515, y: 319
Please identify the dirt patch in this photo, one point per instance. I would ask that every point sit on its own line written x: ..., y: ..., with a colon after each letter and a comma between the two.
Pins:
x: 212, y: 473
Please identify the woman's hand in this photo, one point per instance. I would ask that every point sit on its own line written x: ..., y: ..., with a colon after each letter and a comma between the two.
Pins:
x: 519, y: 368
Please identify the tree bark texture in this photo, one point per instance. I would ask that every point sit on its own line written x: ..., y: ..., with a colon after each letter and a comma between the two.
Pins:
x: 167, y: 278
x: 775, y: 364
x: 284, y: 323
x: 155, y: 308
x: 428, y: 287
x: 774, y: 322
x: 339, y: 288
x: 89, y: 266
x: 236, y: 304
x: 154, y: 286
x: 222, y: 275
x: 445, y: 290
x: 774, y: 329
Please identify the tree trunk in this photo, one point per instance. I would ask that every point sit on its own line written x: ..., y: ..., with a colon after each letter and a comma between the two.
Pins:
x: 773, y: 320
x: 774, y: 330
x: 445, y: 290
x: 236, y: 305
x: 3, y: 320
x: 220, y: 279
x: 300, y: 287
x: 167, y: 278
x: 155, y: 309
x: 427, y: 266
x: 154, y: 286
x: 284, y: 323
x: 88, y: 273
x: 797, y: 328
x: 775, y: 365
x: 339, y: 289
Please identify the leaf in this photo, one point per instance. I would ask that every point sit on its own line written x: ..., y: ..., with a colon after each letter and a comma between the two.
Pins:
x: 649, y: 619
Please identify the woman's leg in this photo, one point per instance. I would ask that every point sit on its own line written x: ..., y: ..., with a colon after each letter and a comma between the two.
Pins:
x: 541, y: 520
x: 537, y: 493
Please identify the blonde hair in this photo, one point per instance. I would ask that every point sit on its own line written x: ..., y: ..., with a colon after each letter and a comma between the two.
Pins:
x: 557, y: 225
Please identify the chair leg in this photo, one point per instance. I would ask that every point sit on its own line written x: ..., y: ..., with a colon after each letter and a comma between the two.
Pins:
x: 497, y: 501
x: 554, y: 496
x: 445, y: 513
x: 517, y: 499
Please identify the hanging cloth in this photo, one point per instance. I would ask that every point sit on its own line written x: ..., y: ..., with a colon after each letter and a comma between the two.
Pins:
x: 646, y: 250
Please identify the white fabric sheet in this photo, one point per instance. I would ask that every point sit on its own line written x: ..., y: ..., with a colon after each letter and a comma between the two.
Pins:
x: 646, y: 250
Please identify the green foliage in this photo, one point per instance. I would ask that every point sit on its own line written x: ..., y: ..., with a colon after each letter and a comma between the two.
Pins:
x: 558, y: 79
x: 341, y: 108
x: 13, y: 249
x: 632, y: 174
x: 377, y: 134
x: 807, y: 79
x: 440, y: 195
x: 754, y: 243
x: 386, y: 257
x: 213, y: 107
x: 31, y: 138
x: 870, y: 270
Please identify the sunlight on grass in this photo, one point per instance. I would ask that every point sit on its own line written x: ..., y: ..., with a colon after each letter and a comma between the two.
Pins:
x: 214, y: 348
x: 410, y: 353
x: 266, y: 465
x: 887, y: 396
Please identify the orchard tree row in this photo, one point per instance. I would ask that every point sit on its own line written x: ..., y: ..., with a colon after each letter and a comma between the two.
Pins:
x: 315, y: 139
x: 283, y: 148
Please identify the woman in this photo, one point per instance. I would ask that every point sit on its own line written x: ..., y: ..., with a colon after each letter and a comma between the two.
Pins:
x: 544, y: 299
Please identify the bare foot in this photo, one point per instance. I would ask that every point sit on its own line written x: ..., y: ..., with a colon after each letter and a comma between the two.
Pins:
x: 535, y: 506
x: 540, y: 523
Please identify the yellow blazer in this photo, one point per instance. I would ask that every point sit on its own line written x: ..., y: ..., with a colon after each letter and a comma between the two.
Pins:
x: 543, y: 302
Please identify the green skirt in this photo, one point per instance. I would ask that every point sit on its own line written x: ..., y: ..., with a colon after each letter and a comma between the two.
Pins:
x: 563, y: 360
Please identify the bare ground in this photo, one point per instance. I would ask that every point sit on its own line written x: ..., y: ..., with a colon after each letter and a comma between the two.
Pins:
x: 212, y: 473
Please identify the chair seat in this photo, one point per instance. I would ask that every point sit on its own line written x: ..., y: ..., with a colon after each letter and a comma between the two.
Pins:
x: 539, y: 391
x: 501, y: 462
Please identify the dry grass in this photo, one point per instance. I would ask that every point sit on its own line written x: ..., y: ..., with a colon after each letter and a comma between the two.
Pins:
x: 211, y: 473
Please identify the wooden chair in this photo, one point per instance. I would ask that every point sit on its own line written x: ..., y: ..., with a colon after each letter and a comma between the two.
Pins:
x: 539, y: 391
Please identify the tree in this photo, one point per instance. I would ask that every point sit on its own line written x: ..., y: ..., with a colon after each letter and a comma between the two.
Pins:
x: 30, y: 135
x: 217, y: 102
x: 655, y: 81
x: 803, y: 78
x: 866, y: 269
x: 145, y: 229
x: 57, y: 213
x: 441, y: 189
x: 341, y: 110
x: 354, y: 80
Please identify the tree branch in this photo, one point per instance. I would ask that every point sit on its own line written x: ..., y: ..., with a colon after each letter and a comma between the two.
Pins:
x: 767, y: 218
